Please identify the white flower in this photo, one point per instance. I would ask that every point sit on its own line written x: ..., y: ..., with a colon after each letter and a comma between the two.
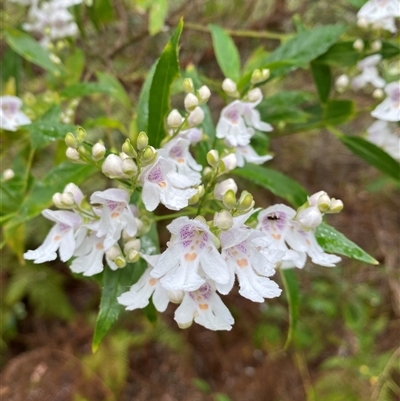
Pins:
x: 223, y: 187
x: 112, y: 167
x: 386, y: 136
x: 161, y: 183
x: 178, y: 151
x: 369, y: 73
x: 139, y: 294
x: 310, y: 217
x: 389, y: 109
x: 75, y: 191
x: 241, y: 249
x: 251, y: 115
x: 278, y: 223
x: 10, y: 115
x: 191, y: 254
x: 61, y: 237
x: 115, y: 215
x: 193, y: 135
x: 90, y: 253
x: 248, y: 154
x: 380, y: 13
x: 205, y: 307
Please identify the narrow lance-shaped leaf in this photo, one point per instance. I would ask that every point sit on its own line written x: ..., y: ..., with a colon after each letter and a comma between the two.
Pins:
x: 166, y: 72
x: 117, y: 282
x: 226, y: 52
x: 323, y: 80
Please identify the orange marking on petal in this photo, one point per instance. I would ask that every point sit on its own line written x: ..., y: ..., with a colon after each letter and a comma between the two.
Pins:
x: 57, y: 238
x: 242, y: 262
x: 180, y: 160
x: 100, y: 246
x: 190, y: 257
x: 308, y: 242
x: 114, y: 215
x: 162, y: 184
x: 276, y: 236
x: 203, y: 306
x: 152, y: 281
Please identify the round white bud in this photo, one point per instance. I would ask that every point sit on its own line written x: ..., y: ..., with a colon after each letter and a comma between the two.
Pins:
x: 378, y: 93
x: 204, y: 94
x: 376, y: 45
x: 223, y: 220
x: 57, y: 200
x: 175, y: 296
x: 114, y: 252
x: 72, y: 154
x: 112, y: 167
x: 98, y: 151
x: 254, y: 95
x: 229, y: 86
x: 129, y: 167
x: 196, y: 117
x: 191, y: 101
x: 358, y: 45
x: 310, y: 217
x: 223, y: 187
x: 230, y: 161
x: 67, y: 199
x: 342, y: 82
x: 362, y: 23
x: 174, y: 119
x: 8, y: 174
x: 336, y: 206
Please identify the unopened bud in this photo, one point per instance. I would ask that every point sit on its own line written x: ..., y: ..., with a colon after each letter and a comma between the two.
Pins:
x: 57, y: 200
x: 112, y: 167
x: 213, y: 158
x: 254, y: 95
x: 71, y: 141
x: 358, y: 45
x: 229, y: 199
x: 362, y: 23
x: 336, y: 206
x: 342, y: 83
x: 207, y: 173
x: 142, y: 140
x: 376, y: 45
x: 201, y: 191
x: 191, y: 101
x: 67, y: 199
x: 324, y: 202
x: 378, y: 93
x: 128, y: 149
x: 259, y: 76
x: 223, y: 220
x: 80, y: 134
x: 132, y: 256
x: 8, y: 174
x: 203, y: 94
x: 175, y: 296
x: 174, y: 119
x: 149, y: 154
x: 98, y: 151
x: 246, y: 201
x: 120, y: 261
x: 188, y: 86
x: 72, y: 154
x: 55, y: 59
x: 139, y: 225
x: 134, y: 244
x: 196, y: 117
x: 194, y: 199
x: 230, y: 162
x: 113, y: 253
x: 224, y: 186
x: 310, y: 217
x: 129, y: 167
x: 229, y: 86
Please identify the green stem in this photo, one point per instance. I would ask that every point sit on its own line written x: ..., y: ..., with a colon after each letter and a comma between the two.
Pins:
x: 191, y: 211
x: 28, y: 168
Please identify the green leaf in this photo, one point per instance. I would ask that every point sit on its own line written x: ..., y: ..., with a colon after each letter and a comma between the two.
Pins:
x: 119, y: 281
x: 105, y: 122
x: 30, y: 50
x: 11, y: 67
x: 226, y: 52
x: 292, y: 293
x: 323, y: 80
x: 143, y: 103
x: 276, y: 182
x: 101, y: 12
x: 357, y: 3
x: 373, y: 155
x: 74, y: 65
x: 115, y: 88
x: 390, y: 49
x: 166, y: 72
x: 332, y: 241
x: 337, y: 112
x: 341, y: 54
x: 86, y: 89
x: 158, y: 12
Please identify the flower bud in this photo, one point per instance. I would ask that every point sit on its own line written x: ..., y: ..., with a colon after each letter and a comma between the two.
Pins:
x: 175, y: 296
x: 201, y: 191
x: 128, y: 149
x: 229, y: 199
x: 378, y: 93
x: 207, y: 173
x: 188, y: 86
x: 362, y: 23
x: 224, y: 186
x: 71, y: 141
x: 120, y: 261
x: 139, y: 225
x: 191, y: 101
x: 259, y: 76
x: 149, y: 154
x: 204, y: 94
x: 113, y: 253
x: 132, y: 256
x: 75, y: 191
x: 80, y: 134
x: 174, y: 119
x: 246, y: 201
x: 324, y: 202
x: 310, y: 217
x: 129, y: 167
x: 376, y: 45
x: 142, y: 140
x: 229, y: 86
x: 134, y: 244
x: 194, y: 199
x: 67, y: 199
x: 8, y: 174
x: 254, y: 95
x: 196, y: 117
x: 230, y: 161
x: 223, y: 220
x: 336, y: 206
x: 54, y: 58
x: 213, y: 158
x: 358, y: 45
x: 57, y: 200
x: 98, y: 151
x: 112, y: 167
x: 342, y: 83
x: 72, y: 154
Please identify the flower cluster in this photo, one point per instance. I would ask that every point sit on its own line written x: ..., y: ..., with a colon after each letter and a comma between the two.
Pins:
x: 380, y: 14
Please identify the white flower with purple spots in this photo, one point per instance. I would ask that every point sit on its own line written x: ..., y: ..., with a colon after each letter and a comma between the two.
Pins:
x: 61, y: 237
x: 11, y: 117
x: 205, y: 307
x: 139, y: 294
x: 162, y: 183
x: 191, y: 257
x: 242, y: 250
x: 369, y: 73
x: 389, y: 109
x: 115, y: 215
x: 178, y: 152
